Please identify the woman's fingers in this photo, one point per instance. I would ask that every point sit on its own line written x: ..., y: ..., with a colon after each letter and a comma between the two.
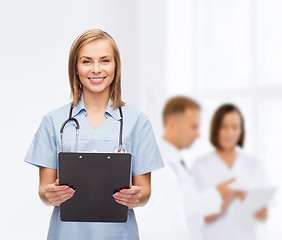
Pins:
x: 261, y: 215
x: 55, y: 188
x: 52, y: 194
x: 129, y: 205
x: 129, y: 197
x: 128, y: 194
x: 52, y: 189
x: 57, y: 182
x: 56, y: 201
x: 56, y: 194
x: 135, y: 200
x: 131, y: 190
x: 125, y: 196
x: 241, y: 195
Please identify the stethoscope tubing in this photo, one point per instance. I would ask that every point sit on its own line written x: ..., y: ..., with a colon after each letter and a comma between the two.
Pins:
x: 120, y: 149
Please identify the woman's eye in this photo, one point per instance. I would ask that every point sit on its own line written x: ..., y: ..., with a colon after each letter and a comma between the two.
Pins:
x: 86, y: 61
x: 105, y: 60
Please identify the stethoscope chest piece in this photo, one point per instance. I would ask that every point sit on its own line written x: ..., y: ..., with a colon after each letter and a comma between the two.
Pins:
x: 120, y: 150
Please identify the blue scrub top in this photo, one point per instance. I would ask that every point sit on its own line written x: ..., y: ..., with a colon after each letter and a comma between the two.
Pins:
x: 138, y: 139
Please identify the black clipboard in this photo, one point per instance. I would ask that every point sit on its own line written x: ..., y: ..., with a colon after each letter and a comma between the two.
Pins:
x: 95, y: 178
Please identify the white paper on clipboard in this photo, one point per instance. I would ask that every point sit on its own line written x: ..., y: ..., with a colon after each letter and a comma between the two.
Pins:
x: 258, y: 199
x: 255, y: 200
x: 242, y: 184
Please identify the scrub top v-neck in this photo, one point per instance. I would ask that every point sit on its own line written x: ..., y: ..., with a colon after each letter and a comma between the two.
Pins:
x: 138, y: 139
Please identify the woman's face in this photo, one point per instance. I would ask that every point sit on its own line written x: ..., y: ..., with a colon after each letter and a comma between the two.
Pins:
x: 230, y: 130
x: 96, y: 66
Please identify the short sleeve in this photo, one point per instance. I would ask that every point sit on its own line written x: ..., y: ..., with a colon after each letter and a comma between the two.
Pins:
x: 145, y: 152
x: 43, y: 150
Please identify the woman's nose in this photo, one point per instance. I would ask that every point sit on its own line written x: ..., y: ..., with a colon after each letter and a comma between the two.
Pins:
x: 96, y: 68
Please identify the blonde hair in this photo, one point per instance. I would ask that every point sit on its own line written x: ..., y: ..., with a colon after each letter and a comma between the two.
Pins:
x: 75, y: 84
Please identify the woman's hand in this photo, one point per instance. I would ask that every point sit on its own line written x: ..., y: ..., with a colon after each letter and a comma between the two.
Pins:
x: 228, y: 195
x: 49, y: 190
x: 56, y: 194
x: 129, y: 197
x: 241, y: 195
x: 138, y: 194
x: 262, y: 215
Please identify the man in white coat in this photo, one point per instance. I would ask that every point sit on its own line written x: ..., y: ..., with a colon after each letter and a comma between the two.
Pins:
x: 176, y: 208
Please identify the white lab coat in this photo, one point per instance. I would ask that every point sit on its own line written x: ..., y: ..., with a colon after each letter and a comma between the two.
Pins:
x: 176, y: 207
x: 209, y: 171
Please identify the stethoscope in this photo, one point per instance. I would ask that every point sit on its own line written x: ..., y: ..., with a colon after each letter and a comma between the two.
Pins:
x: 120, y: 149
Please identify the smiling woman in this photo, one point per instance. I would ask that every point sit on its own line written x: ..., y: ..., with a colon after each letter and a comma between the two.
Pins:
x: 96, y: 72
x: 95, y: 80
x: 96, y: 66
x: 94, y: 55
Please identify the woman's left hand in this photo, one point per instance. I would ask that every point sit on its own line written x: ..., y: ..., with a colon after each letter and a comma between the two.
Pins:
x: 129, y: 197
x: 261, y: 215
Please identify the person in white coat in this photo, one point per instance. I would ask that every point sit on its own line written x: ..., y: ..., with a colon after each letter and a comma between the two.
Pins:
x: 177, y: 207
x: 228, y: 132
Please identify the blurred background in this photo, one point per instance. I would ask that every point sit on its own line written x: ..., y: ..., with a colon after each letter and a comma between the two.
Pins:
x: 215, y: 51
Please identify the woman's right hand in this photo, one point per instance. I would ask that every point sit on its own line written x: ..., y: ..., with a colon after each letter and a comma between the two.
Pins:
x: 226, y: 193
x: 56, y: 194
x: 241, y: 194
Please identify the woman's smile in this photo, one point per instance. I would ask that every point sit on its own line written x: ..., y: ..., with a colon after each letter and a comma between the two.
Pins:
x: 96, y: 80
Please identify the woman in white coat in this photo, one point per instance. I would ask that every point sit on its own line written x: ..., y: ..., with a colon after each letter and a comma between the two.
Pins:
x: 227, y: 161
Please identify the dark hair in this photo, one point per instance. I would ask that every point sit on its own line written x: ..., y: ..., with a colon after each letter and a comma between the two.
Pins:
x: 217, y: 121
x: 178, y: 105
